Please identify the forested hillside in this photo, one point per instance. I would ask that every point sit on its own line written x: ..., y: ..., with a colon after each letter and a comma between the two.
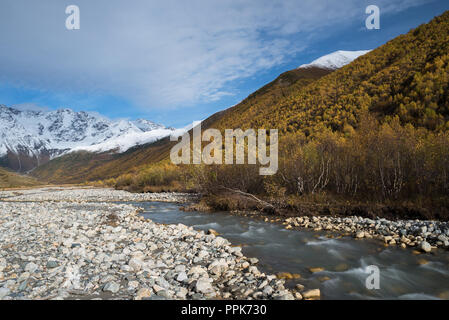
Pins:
x: 374, y: 130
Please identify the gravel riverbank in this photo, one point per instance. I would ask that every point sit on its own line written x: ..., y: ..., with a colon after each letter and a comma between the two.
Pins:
x: 71, y: 244
x: 91, y: 195
x: 425, y: 235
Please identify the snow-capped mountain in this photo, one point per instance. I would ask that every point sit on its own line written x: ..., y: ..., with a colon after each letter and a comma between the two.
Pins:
x: 335, y: 60
x: 147, y: 125
x: 30, y: 138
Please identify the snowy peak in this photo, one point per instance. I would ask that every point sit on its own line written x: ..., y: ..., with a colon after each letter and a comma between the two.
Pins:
x: 29, y: 138
x: 335, y: 60
x: 147, y: 125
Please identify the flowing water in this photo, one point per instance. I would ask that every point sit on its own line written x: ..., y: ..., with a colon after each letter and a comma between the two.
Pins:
x: 403, y: 275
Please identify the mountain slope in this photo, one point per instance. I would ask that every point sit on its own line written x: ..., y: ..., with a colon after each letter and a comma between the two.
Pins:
x: 78, y: 167
x: 10, y: 179
x: 82, y: 166
x: 30, y: 138
x: 407, y: 77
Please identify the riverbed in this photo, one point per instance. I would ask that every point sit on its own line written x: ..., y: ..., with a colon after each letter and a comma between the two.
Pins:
x: 404, y: 274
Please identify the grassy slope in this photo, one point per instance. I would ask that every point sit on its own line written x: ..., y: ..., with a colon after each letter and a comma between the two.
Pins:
x: 10, y: 179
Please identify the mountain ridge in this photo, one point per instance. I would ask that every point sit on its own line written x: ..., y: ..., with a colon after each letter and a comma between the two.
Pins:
x: 30, y: 138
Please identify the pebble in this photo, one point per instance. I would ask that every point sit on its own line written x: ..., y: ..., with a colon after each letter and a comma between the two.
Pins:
x: 298, y: 296
x: 253, y: 260
x: 143, y: 293
x: 425, y: 246
x: 31, y: 267
x: 52, y: 264
x: 299, y: 287
x: 111, y: 287
x: 182, y: 276
x: 360, y: 234
x: 203, y: 285
x: 311, y: 294
x: 4, y: 292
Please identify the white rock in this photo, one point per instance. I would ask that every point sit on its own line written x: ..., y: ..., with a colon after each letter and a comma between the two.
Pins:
x: 112, y: 286
x: 4, y: 292
x: 135, y: 264
x: 219, y: 242
x: 203, y: 285
x: 182, y: 277
x: 425, y: 246
x: 31, y: 267
x: 217, y: 267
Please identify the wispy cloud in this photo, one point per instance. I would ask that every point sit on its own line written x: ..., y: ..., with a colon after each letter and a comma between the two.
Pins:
x: 30, y: 107
x: 162, y: 53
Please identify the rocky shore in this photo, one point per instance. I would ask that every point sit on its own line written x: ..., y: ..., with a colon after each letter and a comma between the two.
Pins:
x: 425, y: 235
x: 72, y: 244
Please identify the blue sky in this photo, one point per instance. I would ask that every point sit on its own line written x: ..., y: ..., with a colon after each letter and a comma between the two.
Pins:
x: 177, y: 61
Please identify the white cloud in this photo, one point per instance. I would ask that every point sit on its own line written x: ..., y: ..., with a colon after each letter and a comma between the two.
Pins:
x: 30, y: 107
x: 162, y: 53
